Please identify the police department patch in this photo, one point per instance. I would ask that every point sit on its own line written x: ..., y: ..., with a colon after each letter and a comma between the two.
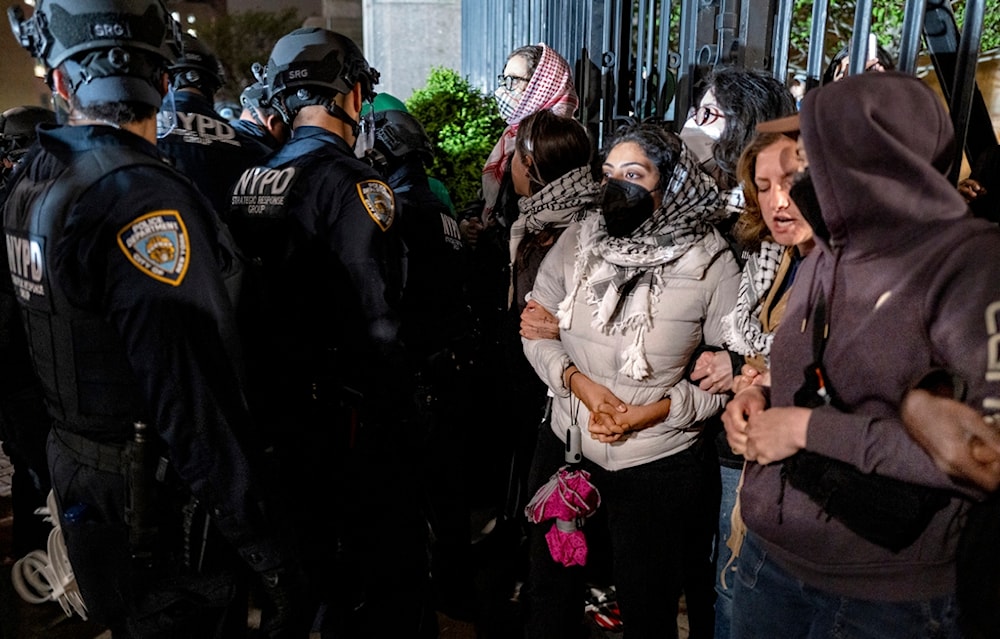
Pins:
x: 378, y: 200
x: 157, y: 244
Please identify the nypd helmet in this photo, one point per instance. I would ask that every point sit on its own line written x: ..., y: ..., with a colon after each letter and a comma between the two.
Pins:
x: 111, y: 50
x: 18, y: 129
x: 399, y: 134
x: 197, y: 67
x: 315, y: 61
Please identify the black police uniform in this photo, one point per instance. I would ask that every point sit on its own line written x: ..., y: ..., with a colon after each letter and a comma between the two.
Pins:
x: 438, y: 332
x: 256, y: 132
x: 206, y: 148
x: 129, y: 320
x: 320, y: 313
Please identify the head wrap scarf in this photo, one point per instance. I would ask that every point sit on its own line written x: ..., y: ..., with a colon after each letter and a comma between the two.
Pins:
x: 550, y: 87
x: 622, y: 276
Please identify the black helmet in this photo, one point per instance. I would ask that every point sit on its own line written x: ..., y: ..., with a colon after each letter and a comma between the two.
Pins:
x: 17, y: 129
x: 398, y: 134
x: 197, y: 67
x: 319, y: 61
x: 114, y: 49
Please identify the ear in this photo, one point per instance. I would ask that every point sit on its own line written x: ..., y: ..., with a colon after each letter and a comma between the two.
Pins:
x: 164, y: 84
x: 60, y: 84
x: 357, y: 98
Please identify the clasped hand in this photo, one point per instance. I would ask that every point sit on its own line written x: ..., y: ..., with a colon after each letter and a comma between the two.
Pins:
x: 763, y: 434
x: 611, y: 419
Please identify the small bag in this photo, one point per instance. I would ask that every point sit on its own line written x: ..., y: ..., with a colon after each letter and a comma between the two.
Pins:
x: 886, y: 511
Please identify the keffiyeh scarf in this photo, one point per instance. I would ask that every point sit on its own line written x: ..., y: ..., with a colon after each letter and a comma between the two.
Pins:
x: 556, y: 205
x: 621, y: 277
x: 744, y: 333
x: 550, y: 87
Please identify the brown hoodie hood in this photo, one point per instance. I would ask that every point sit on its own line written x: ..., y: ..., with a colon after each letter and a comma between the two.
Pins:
x: 878, y: 170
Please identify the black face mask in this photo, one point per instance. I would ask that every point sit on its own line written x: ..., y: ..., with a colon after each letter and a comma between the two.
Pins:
x: 625, y: 205
x: 804, y: 195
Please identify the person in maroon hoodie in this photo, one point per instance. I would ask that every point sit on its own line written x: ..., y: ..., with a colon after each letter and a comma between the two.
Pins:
x: 900, y: 283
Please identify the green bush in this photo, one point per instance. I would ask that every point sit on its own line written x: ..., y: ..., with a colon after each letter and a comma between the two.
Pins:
x: 463, y: 124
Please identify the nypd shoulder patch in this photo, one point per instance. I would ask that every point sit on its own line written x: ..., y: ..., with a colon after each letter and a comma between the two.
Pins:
x: 157, y: 244
x: 379, y: 202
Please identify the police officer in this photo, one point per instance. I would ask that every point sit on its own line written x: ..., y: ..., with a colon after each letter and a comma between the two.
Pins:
x: 115, y: 263
x: 258, y: 119
x: 24, y: 424
x: 437, y: 330
x: 321, y: 315
x: 202, y: 144
x: 17, y: 134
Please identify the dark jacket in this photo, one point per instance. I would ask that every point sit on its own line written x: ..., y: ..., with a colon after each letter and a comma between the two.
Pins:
x: 911, y: 284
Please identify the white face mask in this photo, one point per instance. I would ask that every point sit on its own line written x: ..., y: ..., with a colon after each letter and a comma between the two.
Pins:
x: 699, y: 138
x: 507, y: 102
x: 698, y: 141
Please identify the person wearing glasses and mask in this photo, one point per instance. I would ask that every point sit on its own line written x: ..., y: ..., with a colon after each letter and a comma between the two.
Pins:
x: 734, y: 100
x: 636, y: 286
x: 535, y: 77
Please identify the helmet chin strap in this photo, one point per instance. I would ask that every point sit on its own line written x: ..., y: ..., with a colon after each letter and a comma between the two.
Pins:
x: 335, y: 110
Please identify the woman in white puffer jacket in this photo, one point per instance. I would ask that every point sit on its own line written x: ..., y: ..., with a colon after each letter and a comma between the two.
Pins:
x: 637, y: 288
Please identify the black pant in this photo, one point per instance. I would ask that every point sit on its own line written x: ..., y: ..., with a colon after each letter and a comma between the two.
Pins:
x: 658, y: 515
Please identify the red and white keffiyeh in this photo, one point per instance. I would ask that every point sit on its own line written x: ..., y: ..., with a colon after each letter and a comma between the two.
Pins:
x: 550, y: 87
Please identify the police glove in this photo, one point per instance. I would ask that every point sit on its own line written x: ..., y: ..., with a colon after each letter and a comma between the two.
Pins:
x: 284, y: 611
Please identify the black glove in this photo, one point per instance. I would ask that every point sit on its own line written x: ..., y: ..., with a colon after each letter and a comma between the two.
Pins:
x: 285, y: 612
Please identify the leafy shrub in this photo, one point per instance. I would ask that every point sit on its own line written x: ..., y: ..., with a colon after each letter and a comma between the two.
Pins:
x: 463, y: 125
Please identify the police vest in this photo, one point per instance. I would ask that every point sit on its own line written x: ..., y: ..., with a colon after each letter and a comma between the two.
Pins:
x: 79, y: 358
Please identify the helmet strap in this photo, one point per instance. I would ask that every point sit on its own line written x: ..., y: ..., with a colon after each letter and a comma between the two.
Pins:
x: 336, y: 111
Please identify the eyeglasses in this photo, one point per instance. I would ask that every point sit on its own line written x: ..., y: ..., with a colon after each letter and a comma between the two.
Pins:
x: 705, y: 115
x: 510, y: 81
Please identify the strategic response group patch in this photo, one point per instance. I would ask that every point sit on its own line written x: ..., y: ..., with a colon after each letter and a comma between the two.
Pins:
x: 157, y: 244
x: 378, y: 200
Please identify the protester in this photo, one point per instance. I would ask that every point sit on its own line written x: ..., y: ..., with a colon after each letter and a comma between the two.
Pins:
x: 896, y: 282
x: 617, y: 370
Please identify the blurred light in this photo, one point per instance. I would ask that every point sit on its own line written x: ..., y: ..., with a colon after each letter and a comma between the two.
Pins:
x: 176, y: 15
x: 191, y: 18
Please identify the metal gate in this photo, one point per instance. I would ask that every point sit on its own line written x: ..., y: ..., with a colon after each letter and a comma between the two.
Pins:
x: 643, y: 58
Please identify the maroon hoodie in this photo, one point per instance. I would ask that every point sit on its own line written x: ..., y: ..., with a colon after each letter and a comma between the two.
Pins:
x: 912, y: 283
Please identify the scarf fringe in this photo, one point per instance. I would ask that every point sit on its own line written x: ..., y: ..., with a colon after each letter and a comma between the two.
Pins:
x: 636, y: 366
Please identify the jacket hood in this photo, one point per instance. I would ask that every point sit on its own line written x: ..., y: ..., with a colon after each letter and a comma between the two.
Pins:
x: 879, y: 147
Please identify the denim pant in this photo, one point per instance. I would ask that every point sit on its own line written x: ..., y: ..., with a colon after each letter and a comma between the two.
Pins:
x: 769, y: 603
x: 724, y: 593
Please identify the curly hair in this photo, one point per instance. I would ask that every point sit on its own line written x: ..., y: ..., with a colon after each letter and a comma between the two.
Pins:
x: 750, y: 229
x: 746, y: 98
x: 658, y: 143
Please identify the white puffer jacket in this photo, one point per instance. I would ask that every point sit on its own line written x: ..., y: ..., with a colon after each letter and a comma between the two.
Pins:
x: 699, y: 289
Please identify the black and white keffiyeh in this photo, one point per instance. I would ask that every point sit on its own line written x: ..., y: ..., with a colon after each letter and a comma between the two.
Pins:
x: 744, y: 332
x: 621, y: 276
x: 558, y: 203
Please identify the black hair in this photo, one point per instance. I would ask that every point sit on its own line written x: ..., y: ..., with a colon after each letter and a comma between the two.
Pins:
x: 746, y: 98
x: 556, y: 145
x: 658, y: 143
x: 884, y: 59
x: 119, y: 112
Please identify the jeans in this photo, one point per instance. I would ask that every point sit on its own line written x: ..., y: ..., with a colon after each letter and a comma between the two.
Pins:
x: 768, y: 603
x: 724, y: 598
